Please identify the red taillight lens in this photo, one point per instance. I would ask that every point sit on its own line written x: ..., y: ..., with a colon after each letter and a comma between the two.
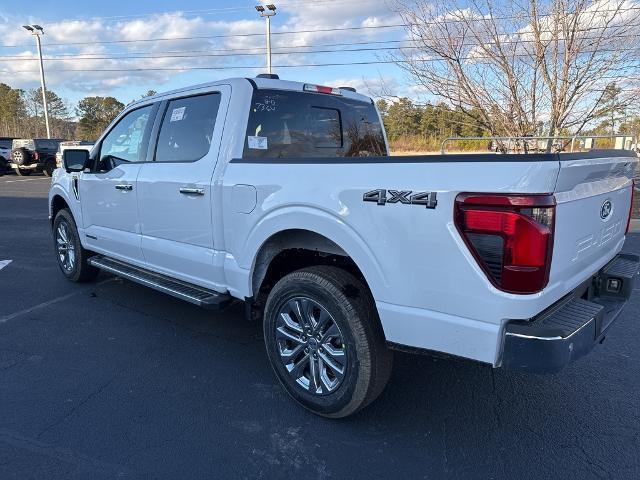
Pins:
x: 36, y: 155
x: 633, y: 196
x: 510, y: 236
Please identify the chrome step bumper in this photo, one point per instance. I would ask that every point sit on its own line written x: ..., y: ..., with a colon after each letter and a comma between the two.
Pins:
x: 176, y: 288
x: 571, y: 327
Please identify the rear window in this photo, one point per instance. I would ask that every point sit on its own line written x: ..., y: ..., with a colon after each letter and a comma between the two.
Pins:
x: 23, y: 142
x: 46, y: 144
x: 297, y: 124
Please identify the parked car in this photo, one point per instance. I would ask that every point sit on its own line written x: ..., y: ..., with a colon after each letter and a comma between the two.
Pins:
x: 282, y: 194
x: 5, y: 154
x: 75, y: 144
x: 30, y: 155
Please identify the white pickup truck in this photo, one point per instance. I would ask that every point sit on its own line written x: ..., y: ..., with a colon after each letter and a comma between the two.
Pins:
x: 283, y: 195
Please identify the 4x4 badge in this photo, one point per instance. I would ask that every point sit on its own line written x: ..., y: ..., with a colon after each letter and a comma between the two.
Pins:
x: 407, y: 197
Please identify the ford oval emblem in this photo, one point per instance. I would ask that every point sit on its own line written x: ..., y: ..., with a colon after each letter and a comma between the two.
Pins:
x: 605, y: 210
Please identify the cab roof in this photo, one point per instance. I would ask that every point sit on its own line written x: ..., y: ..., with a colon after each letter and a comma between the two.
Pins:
x: 257, y: 82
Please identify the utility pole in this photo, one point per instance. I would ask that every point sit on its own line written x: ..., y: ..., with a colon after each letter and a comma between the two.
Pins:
x: 267, y: 16
x: 36, y: 31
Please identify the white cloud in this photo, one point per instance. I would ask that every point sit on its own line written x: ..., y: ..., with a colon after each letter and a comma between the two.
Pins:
x: 294, y: 17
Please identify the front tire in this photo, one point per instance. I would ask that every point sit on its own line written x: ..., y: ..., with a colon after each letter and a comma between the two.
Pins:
x: 72, y: 258
x: 325, y: 342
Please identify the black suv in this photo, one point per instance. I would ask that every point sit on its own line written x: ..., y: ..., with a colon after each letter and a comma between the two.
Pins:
x: 5, y: 154
x: 34, y: 155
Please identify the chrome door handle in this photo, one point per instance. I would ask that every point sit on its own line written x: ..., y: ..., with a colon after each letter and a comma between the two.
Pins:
x: 192, y: 191
x: 126, y: 188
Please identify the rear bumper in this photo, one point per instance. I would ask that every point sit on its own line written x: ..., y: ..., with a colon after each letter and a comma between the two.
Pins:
x: 571, y: 327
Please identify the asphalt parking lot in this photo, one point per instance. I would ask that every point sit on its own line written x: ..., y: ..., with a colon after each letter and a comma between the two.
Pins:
x: 111, y: 379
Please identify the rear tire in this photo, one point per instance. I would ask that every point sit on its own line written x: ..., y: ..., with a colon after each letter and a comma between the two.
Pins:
x: 48, y: 169
x: 72, y: 258
x: 325, y: 342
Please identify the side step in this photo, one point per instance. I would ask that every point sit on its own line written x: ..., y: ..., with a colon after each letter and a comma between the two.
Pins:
x: 186, y: 291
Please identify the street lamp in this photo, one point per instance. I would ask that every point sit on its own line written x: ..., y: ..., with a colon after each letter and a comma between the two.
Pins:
x: 36, y: 31
x: 267, y: 16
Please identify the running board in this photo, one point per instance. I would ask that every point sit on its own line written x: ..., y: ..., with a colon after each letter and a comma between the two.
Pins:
x: 177, y: 288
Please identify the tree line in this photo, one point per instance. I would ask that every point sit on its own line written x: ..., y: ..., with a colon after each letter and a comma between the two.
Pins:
x: 413, y: 127
x: 22, y: 114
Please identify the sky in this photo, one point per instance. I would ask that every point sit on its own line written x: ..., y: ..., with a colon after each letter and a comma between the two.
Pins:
x: 90, y: 35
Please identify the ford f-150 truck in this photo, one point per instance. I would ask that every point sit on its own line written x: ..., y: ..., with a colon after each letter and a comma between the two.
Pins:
x: 283, y: 195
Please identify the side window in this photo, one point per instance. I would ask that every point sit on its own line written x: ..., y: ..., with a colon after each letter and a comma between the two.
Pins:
x: 187, y: 128
x: 300, y: 124
x: 125, y: 142
x: 291, y: 124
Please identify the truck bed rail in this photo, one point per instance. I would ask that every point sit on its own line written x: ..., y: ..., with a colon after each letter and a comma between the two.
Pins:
x: 552, y: 144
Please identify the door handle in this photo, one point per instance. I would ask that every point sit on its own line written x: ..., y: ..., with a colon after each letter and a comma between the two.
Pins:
x: 126, y: 188
x: 191, y: 191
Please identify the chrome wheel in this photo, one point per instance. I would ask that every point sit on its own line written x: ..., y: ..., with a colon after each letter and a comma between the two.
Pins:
x: 311, y: 346
x: 65, y: 247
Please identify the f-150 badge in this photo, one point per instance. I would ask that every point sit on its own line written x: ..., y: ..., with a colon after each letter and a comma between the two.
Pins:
x: 379, y: 196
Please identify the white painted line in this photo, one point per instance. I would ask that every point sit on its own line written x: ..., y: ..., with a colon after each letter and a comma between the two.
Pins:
x: 4, y: 263
x: 26, y: 180
x: 11, y: 316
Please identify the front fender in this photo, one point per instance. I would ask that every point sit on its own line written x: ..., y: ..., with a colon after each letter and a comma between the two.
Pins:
x: 61, y: 186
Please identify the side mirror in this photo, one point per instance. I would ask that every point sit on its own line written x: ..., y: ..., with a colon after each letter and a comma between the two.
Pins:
x: 75, y: 160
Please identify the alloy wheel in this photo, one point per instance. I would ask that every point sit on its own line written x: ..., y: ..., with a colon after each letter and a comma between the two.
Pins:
x: 311, y: 346
x: 65, y: 247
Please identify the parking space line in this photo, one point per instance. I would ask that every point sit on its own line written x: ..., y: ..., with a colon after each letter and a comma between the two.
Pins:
x: 26, y: 180
x: 11, y: 316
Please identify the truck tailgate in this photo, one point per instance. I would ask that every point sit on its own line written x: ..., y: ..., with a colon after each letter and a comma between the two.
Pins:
x: 593, y: 200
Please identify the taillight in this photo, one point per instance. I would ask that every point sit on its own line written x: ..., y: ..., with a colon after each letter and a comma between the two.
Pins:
x: 633, y: 196
x: 320, y: 89
x: 36, y: 156
x: 510, y: 236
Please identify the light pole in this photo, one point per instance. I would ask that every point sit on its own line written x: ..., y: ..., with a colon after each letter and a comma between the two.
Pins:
x: 36, y: 31
x: 267, y: 16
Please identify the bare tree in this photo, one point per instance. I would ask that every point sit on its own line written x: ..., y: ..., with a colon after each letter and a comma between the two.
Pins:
x: 523, y: 67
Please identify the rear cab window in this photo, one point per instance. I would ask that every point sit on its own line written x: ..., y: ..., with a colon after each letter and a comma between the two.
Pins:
x: 24, y: 143
x: 285, y: 124
x: 47, y: 144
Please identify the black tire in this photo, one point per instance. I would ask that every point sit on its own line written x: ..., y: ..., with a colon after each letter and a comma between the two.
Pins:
x: 48, y: 168
x: 80, y: 270
x: 22, y: 172
x: 351, y: 308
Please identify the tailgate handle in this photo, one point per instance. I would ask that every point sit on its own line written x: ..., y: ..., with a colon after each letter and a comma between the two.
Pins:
x: 191, y: 191
x: 124, y: 187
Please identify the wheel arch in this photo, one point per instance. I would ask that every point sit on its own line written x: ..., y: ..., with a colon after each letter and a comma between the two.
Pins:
x: 57, y: 203
x: 288, y: 249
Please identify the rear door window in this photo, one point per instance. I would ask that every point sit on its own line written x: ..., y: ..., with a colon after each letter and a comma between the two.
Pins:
x: 298, y: 124
x: 187, y: 128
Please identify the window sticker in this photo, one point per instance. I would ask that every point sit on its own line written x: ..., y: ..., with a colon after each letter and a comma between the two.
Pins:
x: 177, y: 114
x: 257, y: 143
